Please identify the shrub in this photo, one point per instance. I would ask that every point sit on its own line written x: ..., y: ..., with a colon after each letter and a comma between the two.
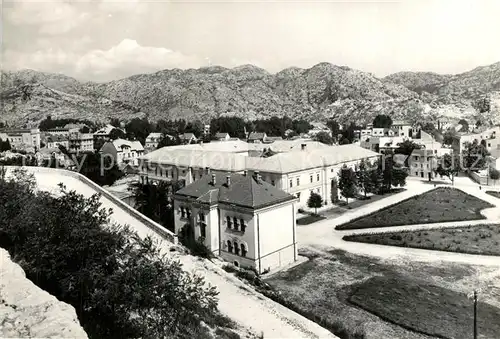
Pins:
x: 230, y: 268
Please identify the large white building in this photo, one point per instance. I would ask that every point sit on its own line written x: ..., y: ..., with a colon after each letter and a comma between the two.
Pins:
x: 81, y: 142
x: 22, y: 139
x: 123, y: 151
x: 299, y: 167
x: 240, y: 217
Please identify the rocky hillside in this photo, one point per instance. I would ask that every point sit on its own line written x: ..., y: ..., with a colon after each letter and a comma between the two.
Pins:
x: 322, y: 91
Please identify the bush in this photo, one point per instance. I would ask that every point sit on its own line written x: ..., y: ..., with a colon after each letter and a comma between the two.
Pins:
x: 67, y: 247
x: 230, y: 268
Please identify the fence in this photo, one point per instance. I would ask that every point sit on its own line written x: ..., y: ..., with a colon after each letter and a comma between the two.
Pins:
x: 162, y: 231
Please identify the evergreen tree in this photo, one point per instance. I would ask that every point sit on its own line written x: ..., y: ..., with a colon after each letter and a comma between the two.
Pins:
x: 347, y: 182
x: 364, y: 176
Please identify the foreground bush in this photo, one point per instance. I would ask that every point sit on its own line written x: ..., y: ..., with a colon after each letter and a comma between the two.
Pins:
x: 119, y: 284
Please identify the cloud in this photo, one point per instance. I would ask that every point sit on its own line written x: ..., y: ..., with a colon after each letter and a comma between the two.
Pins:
x: 125, y: 59
x: 52, y: 18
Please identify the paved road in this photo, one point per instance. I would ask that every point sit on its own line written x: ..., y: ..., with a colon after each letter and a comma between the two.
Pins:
x: 322, y: 235
x: 236, y: 300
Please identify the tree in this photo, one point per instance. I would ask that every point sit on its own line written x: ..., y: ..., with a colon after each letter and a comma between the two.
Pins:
x: 348, y: 134
x: 334, y: 191
x: 98, y: 168
x: 301, y: 126
x: 138, y: 129
x: 494, y: 174
x: 364, y: 176
x: 334, y: 127
x: 115, y: 122
x: 428, y: 127
x: 382, y: 121
x: 449, y: 137
x: 347, y: 182
x: 345, y: 141
x: 465, y: 125
x: 167, y: 140
x: 315, y: 201
x: 449, y: 166
x: 4, y: 145
x: 406, y: 148
x: 117, y: 133
x: 324, y: 138
x: 68, y: 247
x: 156, y: 201
x: 474, y: 156
x: 85, y: 129
x: 235, y: 126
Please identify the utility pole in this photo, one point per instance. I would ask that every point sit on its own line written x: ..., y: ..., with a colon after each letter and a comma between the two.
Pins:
x: 475, y: 314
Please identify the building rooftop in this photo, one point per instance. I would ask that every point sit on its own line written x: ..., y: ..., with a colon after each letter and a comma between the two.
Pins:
x: 243, y: 190
x: 56, y: 138
x: 134, y: 145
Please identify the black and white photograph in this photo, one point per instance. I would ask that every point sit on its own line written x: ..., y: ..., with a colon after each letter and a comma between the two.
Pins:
x: 231, y: 169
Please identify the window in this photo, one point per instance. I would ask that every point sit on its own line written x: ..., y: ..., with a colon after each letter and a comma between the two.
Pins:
x: 203, y: 230
x: 298, y: 181
x: 298, y: 195
x: 273, y: 183
x: 201, y: 216
x: 229, y: 246
x: 235, y: 222
x: 236, y: 248
x: 317, y: 176
x: 317, y: 190
x: 188, y: 213
x: 228, y: 221
x: 242, y: 225
x: 331, y: 170
x: 243, y: 251
x: 291, y: 183
x: 415, y: 158
x: 183, y: 212
x: 311, y: 177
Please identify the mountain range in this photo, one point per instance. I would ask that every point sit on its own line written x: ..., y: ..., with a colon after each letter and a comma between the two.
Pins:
x: 317, y: 93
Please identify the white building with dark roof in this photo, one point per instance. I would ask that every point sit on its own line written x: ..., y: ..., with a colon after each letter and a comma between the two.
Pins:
x: 235, y: 216
x: 123, y: 151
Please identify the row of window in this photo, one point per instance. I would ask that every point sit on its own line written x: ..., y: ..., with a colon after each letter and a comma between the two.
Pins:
x: 233, y: 224
x: 232, y: 247
x: 311, y: 177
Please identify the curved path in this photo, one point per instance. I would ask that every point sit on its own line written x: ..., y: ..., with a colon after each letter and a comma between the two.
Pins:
x: 323, y: 236
x: 242, y: 304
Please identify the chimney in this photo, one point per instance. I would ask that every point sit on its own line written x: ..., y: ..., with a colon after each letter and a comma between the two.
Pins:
x: 228, y: 180
x: 303, y: 146
x: 257, y: 176
x: 213, y: 179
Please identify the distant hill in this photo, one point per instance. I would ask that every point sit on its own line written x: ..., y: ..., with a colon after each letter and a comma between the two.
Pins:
x: 320, y: 92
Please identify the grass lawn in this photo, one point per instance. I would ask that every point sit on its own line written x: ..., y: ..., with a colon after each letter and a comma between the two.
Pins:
x: 342, y: 207
x: 309, y: 219
x: 480, y: 239
x: 443, y: 204
x: 425, y: 308
x: 329, y: 287
x: 495, y: 194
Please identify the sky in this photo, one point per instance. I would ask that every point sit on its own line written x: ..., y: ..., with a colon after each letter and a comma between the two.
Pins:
x: 103, y: 40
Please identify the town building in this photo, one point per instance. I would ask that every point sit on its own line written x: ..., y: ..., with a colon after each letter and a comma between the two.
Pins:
x: 188, y: 138
x: 123, y: 151
x: 103, y: 135
x: 257, y: 137
x: 54, y: 141
x: 241, y: 218
x: 298, y: 167
x: 423, y: 163
x: 61, y: 131
x: 153, y: 140
x: 22, y: 139
x: 221, y: 136
x: 489, y: 138
x: 46, y: 154
x: 81, y: 142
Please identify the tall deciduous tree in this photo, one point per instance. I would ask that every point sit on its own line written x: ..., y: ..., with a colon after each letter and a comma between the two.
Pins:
x: 364, y: 176
x: 324, y: 138
x: 382, y: 121
x: 347, y: 182
x: 475, y: 156
x: 334, y: 127
x: 449, y: 166
x: 315, y: 201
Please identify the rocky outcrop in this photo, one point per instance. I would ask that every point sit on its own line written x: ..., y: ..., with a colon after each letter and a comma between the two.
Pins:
x: 26, y: 311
